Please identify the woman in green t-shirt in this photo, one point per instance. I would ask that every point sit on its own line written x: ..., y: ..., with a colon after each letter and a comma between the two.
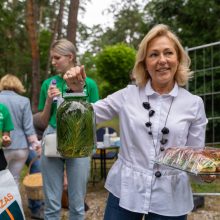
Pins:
x: 6, y: 126
x: 63, y: 57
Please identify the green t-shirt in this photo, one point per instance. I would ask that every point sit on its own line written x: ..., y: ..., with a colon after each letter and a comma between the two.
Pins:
x: 91, y: 91
x: 6, y: 124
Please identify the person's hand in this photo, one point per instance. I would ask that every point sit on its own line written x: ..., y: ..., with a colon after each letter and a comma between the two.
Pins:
x: 6, y: 140
x: 208, y: 178
x: 75, y: 78
x: 38, y: 150
x: 52, y: 92
x: 36, y: 146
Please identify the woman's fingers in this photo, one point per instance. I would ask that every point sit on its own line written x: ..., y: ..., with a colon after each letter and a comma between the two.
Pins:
x: 72, y: 73
x: 6, y: 140
x: 53, y: 91
x: 75, y: 73
x: 208, y: 178
x: 75, y: 78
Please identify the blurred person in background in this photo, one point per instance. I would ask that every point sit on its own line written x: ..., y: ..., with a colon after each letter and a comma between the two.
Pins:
x: 6, y: 126
x: 23, y: 136
x: 63, y: 57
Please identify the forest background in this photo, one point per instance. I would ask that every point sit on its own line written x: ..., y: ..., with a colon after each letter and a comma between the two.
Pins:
x: 28, y: 27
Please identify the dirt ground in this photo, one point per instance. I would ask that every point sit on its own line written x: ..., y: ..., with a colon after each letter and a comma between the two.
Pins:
x: 96, y: 200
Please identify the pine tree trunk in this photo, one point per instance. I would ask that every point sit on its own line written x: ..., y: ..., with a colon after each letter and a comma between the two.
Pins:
x: 33, y: 39
x: 72, y: 21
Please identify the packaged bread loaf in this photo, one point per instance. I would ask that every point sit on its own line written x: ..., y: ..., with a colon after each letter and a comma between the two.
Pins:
x: 196, y: 161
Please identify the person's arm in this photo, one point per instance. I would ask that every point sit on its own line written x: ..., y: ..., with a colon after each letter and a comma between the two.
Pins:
x: 46, y: 100
x: 45, y: 114
x: 28, y: 126
x: 196, y: 137
x: 197, y: 129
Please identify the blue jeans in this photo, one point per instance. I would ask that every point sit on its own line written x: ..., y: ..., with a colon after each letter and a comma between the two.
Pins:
x: 34, y: 205
x: 78, y: 170
x: 114, y: 212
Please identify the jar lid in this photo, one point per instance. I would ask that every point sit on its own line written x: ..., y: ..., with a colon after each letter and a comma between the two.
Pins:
x: 74, y: 95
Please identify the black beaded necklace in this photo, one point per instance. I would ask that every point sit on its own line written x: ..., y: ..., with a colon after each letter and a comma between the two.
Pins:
x: 164, y: 130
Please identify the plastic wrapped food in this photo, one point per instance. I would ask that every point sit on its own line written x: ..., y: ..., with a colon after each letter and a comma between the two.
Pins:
x: 215, y: 154
x: 196, y: 161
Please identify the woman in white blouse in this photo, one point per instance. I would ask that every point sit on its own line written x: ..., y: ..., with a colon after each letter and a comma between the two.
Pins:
x: 155, y: 114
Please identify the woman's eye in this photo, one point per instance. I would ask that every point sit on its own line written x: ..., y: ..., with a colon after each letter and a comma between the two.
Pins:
x: 56, y: 57
x: 153, y: 54
x: 168, y: 53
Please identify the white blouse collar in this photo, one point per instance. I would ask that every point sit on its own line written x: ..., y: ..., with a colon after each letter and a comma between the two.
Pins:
x: 150, y: 91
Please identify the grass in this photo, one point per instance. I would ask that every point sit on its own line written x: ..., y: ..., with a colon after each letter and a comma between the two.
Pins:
x: 24, y: 172
x: 213, y: 187
x: 114, y: 123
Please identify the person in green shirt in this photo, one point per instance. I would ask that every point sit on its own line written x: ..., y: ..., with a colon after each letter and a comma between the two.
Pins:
x: 63, y: 57
x: 91, y: 91
x: 6, y: 126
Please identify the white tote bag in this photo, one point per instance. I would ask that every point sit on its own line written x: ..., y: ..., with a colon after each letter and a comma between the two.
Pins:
x: 10, y: 199
x: 50, y: 145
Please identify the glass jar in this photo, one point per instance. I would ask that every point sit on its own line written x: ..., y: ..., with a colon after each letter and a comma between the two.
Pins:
x: 76, y: 135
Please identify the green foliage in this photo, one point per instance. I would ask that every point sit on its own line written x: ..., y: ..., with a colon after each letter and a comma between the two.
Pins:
x: 88, y: 60
x: 75, y: 134
x: 196, y: 21
x: 129, y: 26
x: 114, y: 123
x: 206, y: 83
x: 44, y: 45
x: 114, y: 64
x: 14, y: 47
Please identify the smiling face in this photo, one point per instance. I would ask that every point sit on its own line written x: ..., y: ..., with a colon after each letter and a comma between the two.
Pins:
x: 162, y: 63
x: 61, y: 62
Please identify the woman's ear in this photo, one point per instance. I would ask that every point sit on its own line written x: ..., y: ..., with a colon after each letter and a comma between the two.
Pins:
x: 71, y: 57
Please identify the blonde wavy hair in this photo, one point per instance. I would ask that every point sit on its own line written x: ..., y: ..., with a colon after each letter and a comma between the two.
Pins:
x: 13, y: 83
x: 183, y: 72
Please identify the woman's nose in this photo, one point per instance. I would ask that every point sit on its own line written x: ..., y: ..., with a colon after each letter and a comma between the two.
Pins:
x: 162, y: 59
x: 52, y: 61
